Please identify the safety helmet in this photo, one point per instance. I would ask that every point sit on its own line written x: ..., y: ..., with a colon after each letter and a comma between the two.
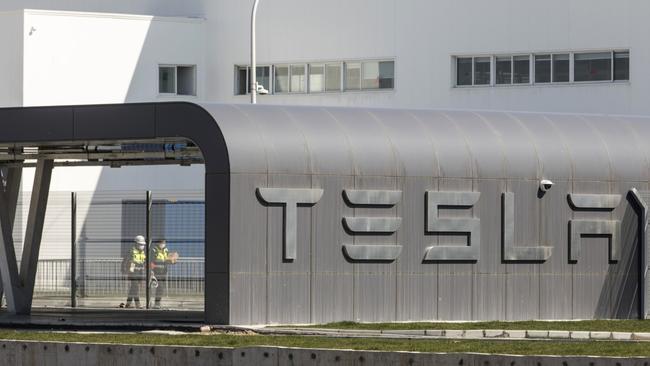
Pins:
x: 139, y: 240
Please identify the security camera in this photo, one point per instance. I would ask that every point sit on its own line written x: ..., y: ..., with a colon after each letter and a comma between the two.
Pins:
x: 261, y: 90
x: 545, y: 185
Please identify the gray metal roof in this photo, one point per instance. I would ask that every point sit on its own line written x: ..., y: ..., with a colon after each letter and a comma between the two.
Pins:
x: 465, y: 144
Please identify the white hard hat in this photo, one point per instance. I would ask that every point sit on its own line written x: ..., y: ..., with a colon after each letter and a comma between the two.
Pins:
x: 139, y: 239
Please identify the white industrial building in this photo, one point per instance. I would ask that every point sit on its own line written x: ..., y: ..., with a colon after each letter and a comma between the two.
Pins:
x: 577, y: 56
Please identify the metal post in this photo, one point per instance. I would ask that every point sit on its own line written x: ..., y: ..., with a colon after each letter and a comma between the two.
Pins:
x: 73, y: 250
x: 147, y: 248
x: 253, y: 69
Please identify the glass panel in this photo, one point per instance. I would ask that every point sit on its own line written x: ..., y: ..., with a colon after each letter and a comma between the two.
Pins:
x: 370, y: 73
x: 353, y: 76
x: 242, y: 74
x: 316, y: 78
x: 166, y: 79
x: 263, y: 75
x: 298, y: 78
x: 378, y: 75
x: 464, y: 71
x: 542, y: 68
x: 592, y: 66
x: 622, y: 65
x: 561, y: 68
x: 281, y: 79
x: 481, y: 71
x: 503, y: 70
x: 521, y: 65
x: 386, y: 74
x: 186, y: 80
x: 333, y: 77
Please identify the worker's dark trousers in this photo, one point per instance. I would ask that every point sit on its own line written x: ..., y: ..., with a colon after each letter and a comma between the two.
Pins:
x: 135, y: 281
x: 161, y: 290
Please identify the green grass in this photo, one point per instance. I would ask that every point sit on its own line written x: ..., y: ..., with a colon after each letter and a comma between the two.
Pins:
x: 595, y: 348
x: 584, y: 325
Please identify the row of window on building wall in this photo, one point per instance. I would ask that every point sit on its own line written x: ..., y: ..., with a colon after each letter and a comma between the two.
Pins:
x: 542, y: 68
x: 320, y: 77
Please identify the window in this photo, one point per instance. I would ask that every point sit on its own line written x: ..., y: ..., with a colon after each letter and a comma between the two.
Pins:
x: 167, y: 80
x: 281, y: 83
x: 377, y: 75
x: 464, y: 71
x: 186, y: 80
x: 592, y: 66
x: 352, y: 76
x: 333, y: 77
x: 503, y: 70
x: 561, y: 68
x: 521, y: 69
x: 298, y: 78
x: 622, y: 65
x: 316, y: 78
x: 542, y: 68
x: 242, y: 80
x: 263, y: 76
x: 482, y: 70
x: 179, y: 80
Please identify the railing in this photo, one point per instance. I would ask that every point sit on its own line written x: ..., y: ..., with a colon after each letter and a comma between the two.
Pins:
x: 102, y: 277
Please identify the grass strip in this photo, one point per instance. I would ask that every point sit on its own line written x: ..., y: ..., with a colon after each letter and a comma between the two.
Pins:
x: 593, y: 348
x: 580, y: 325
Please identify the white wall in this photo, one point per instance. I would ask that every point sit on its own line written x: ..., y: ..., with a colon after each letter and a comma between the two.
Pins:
x: 143, y: 7
x: 81, y: 58
x: 10, y: 59
x: 423, y: 35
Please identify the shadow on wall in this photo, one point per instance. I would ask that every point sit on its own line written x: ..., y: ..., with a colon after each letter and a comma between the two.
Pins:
x: 620, y: 296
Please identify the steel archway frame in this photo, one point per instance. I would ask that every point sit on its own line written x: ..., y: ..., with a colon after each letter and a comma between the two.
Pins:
x: 122, y: 122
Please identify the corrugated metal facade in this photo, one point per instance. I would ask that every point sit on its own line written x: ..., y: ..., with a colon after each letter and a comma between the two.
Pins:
x: 337, y: 149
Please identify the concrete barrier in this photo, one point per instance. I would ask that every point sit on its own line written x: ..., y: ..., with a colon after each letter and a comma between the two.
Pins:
x: 70, y: 354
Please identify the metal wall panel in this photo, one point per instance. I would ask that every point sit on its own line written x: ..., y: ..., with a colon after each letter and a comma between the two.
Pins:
x: 333, y: 276
x: 326, y: 141
x: 455, y: 279
x: 550, y: 147
x: 522, y: 277
x: 246, y: 144
x: 248, y: 250
x: 556, y: 290
x: 484, y: 142
x: 590, y: 270
x: 374, y: 281
x: 489, y: 295
x: 417, y: 157
x: 417, y: 280
x: 624, y: 283
x: 453, y: 156
x: 289, y: 281
x: 414, y: 152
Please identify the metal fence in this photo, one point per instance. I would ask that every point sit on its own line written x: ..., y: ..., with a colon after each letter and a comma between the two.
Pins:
x: 103, y: 277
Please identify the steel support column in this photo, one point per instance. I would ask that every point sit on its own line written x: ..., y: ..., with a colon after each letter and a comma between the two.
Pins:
x: 11, y: 189
x: 19, y: 285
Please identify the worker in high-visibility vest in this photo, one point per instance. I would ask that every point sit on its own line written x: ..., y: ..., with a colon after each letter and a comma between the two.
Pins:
x: 161, y: 258
x: 135, y: 270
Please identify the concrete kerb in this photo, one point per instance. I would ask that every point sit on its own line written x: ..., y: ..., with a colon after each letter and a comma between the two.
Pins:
x: 462, y: 334
x: 62, y: 353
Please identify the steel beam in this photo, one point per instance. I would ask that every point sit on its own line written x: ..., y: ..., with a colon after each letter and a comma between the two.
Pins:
x: 33, y: 234
x: 8, y: 202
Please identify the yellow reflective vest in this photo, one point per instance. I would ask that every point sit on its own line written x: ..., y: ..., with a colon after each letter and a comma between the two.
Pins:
x: 137, y: 256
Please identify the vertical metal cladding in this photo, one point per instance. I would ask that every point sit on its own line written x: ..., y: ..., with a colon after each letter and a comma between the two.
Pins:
x: 433, y: 214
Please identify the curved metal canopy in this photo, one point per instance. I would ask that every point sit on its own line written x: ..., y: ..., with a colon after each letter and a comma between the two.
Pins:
x: 463, y: 144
